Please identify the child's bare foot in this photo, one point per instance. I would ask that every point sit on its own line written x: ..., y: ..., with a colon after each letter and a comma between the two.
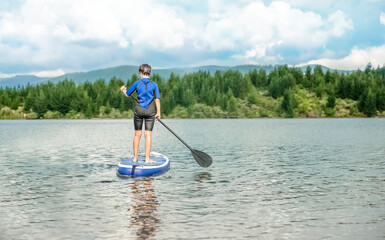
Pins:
x: 135, y: 159
x: 149, y: 161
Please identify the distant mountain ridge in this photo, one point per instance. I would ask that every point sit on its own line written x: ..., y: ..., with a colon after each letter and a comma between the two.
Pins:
x: 21, y: 80
x: 125, y: 72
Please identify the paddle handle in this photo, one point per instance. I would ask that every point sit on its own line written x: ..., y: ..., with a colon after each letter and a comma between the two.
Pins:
x: 175, y: 135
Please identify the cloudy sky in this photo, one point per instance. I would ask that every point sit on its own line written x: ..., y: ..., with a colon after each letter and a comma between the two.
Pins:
x: 49, y: 38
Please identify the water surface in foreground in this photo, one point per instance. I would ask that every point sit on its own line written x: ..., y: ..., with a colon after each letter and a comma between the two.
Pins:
x: 271, y: 179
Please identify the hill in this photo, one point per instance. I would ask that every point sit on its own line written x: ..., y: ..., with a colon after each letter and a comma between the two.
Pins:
x: 125, y: 72
x: 21, y: 80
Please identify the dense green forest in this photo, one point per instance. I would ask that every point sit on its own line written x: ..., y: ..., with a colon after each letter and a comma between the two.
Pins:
x: 284, y: 92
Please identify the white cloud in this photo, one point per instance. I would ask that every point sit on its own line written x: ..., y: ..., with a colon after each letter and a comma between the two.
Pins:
x: 338, y: 23
x: 260, y: 49
x: 382, y: 18
x: 258, y: 28
x: 49, y: 73
x: 59, y: 31
x: 52, y: 73
x: 311, y: 4
x: 6, y: 75
x: 358, y: 58
x: 326, y: 5
x: 78, y: 34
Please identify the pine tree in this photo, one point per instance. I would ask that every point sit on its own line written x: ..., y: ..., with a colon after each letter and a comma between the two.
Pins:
x: 367, y: 103
x: 289, y: 103
x: 331, y: 101
x: 29, y: 101
x: 40, y: 106
x: 380, y: 103
x: 370, y: 104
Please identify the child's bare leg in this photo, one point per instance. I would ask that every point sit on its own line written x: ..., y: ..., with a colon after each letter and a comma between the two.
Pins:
x: 137, y: 136
x: 148, y: 135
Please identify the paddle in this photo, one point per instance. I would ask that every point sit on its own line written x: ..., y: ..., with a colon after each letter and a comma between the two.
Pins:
x: 203, y: 159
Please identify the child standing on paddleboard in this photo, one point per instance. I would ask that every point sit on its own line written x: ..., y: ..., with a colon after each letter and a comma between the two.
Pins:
x: 149, y: 97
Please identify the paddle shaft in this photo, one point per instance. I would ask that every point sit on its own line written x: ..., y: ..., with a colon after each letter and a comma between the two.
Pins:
x: 137, y: 100
x: 175, y: 135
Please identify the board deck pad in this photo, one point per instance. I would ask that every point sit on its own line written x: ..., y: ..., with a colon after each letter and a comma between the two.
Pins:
x: 141, y: 161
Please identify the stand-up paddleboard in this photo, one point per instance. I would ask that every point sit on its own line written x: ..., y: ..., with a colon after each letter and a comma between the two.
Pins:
x: 128, y: 168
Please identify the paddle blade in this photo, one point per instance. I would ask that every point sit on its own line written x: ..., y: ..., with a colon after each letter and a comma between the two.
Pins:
x: 203, y: 159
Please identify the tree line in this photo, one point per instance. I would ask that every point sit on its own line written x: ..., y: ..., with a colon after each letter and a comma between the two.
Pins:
x: 284, y: 92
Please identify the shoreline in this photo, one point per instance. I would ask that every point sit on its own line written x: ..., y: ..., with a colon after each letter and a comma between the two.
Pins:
x: 34, y: 119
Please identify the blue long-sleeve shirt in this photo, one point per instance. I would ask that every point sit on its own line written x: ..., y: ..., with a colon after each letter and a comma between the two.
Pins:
x: 147, y: 91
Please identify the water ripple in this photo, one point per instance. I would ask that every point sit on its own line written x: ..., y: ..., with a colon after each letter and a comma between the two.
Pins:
x: 270, y: 179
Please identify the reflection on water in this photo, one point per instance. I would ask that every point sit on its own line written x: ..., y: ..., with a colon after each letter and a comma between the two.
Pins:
x: 202, y: 176
x: 144, y: 204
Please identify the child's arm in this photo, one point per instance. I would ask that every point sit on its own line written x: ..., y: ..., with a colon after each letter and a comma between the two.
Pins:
x: 157, y: 104
x: 128, y: 92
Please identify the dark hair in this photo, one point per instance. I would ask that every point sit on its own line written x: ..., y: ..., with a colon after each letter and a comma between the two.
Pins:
x: 145, y: 69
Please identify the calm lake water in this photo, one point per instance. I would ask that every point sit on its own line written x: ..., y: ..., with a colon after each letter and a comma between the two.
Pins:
x: 270, y: 179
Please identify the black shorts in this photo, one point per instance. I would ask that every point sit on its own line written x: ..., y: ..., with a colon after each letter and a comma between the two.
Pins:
x: 148, y: 115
